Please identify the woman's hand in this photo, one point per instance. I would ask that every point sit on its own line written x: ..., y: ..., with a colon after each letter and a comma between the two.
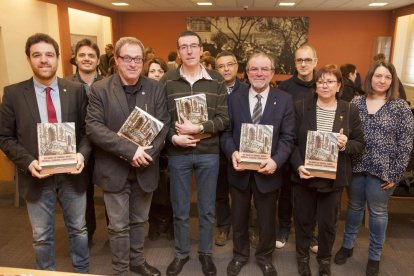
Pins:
x: 387, y: 185
x: 303, y: 173
x: 341, y: 139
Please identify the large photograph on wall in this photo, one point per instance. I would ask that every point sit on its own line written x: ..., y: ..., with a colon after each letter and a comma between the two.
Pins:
x: 277, y: 36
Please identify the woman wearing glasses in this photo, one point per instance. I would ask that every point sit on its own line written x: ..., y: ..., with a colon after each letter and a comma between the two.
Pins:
x: 316, y: 199
x: 389, y: 130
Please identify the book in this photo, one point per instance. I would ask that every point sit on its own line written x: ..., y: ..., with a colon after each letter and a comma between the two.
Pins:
x: 321, y: 156
x: 194, y: 108
x: 140, y: 127
x: 255, y: 145
x: 57, y: 147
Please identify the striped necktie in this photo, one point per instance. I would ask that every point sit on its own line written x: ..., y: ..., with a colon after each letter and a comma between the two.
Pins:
x: 257, y: 110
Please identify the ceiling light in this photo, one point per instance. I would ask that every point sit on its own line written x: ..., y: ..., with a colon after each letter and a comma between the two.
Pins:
x: 120, y: 4
x: 287, y: 4
x: 204, y: 3
x: 375, y: 4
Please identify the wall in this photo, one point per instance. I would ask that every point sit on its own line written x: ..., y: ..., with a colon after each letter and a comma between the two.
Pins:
x: 339, y: 37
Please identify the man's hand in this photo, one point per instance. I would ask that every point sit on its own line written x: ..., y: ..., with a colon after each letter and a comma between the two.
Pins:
x: 80, y: 164
x: 35, y: 169
x: 304, y: 173
x: 186, y: 127
x: 185, y: 141
x: 141, y: 158
x: 268, y: 166
x: 387, y: 185
x: 235, y: 159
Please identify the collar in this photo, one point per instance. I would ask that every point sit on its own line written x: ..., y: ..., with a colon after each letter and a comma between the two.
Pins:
x: 264, y: 94
x: 41, y: 87
x: 302, y: 82
x: 202, y: 74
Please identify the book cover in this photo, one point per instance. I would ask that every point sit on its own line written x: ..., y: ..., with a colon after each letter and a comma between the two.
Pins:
x: 140, y: 127
x: 255, y: 145
x: 57, y: 147
x: 321, y: 157
x: 194, y: 108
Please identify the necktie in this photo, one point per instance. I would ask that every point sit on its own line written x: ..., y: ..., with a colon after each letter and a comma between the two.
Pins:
x: 257, y: 110
x: 51, y: 111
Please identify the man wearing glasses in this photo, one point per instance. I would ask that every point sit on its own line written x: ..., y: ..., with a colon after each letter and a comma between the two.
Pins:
x: 127, y: 173
x: 187, y: 154
x: 258, y: 104
x: 226, y: 65
x: 300, y: 87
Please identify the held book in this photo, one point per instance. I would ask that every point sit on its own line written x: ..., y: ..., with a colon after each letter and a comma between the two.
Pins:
x: 140, y: 127
x: 321, y: 157
x: 194, y: 108
x: 255, y: 145
x: 57, y: 147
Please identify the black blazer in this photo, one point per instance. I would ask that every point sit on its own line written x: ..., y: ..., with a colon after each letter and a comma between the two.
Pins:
x: 346, y: 117
x: 19, y: 115
x: 107, y: 111
x: 278, y: 112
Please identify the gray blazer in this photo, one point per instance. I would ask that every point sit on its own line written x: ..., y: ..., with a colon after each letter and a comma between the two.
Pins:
x: 107, y: 111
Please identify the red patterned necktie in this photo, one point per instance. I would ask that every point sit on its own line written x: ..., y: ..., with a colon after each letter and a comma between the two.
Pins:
x: 51, y: 111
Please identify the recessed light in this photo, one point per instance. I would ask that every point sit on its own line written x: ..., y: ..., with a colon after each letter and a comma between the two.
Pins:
x: 204, y: 3
x: 375, y: 4
x: 120, y: 4
x: 287, y: 4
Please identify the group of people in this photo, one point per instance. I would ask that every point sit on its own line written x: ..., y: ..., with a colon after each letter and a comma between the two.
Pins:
x: 374, y: 138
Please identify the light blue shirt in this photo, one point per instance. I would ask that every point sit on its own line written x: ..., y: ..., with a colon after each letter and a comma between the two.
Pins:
x: 40, y: 90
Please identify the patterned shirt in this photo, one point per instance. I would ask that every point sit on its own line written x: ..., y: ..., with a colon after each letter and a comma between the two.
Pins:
x: 389, y: 139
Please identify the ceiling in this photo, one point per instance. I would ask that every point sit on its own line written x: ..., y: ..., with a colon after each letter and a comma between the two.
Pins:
x: 250, y: 5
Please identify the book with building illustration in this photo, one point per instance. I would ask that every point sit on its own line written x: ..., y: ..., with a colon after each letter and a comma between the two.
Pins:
x: 255, y: 145
x: 321, y: 157
x: 57, y: 147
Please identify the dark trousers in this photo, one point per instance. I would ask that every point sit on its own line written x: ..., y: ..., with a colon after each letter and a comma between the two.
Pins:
x: 223, y: 212
x: 285, y: 206
x: 90, y: 216
x: 265, y: 204
x: 310, y: 206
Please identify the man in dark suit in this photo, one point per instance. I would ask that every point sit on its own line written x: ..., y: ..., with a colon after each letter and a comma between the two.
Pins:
x: 86, y: 59
x: 41, y: 99
x: 127, y: 173
x: 268, y: 106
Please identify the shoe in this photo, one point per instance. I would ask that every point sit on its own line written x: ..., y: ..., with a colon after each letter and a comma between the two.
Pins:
x: 234, y: 267
x: 254, y: 239
x: 325, y: 268
x: 207, y: 265
x: 303, y: 267
x: 175, y: 267
x: 221, y: 238
x: 145, y: 269
x: 268, y: 269
x: 342, y: 255
x: 314, y: 245
x: 372, y: 268
x: 281, y: 237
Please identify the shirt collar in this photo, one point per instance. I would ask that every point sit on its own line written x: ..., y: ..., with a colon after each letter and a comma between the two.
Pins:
x: 264, y: 94
x: 42, y: 87
x: 203, y: 74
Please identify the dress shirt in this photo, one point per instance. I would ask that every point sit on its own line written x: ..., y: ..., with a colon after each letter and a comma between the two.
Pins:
x: 202, y: 74
x: 253, y: 99
x: 40, y: 91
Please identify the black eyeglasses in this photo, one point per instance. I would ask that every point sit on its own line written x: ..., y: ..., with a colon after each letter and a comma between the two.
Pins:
x: 193, y: 47
x: 305, y: 60
x: 128, y: 59
x: 328, y: 82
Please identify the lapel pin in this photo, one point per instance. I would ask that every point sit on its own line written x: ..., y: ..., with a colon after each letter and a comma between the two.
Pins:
x: 64, y: 90
x: 143, y: 92
x: 274, y: 103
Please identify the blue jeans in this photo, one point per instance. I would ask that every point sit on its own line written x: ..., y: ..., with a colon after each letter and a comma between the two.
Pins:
x: 181, y: 168
x: 366, y: 188
x: 42, y: 217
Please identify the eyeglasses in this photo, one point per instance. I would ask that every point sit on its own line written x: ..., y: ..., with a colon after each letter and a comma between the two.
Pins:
x: 193, y: 47
x: 256, y: 70
x: 304, y: 60
x: 128, y: 59
x: 222, y: 66
x: 328, y: 82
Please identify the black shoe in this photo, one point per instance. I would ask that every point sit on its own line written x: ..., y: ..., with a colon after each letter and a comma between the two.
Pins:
x: 342, y: 255
x: 175, y: 267
x: 372, y: 268
x: 303, y: 267
x: 282, y: 236
x: 207, y: 265
x: 268, y: 269
x: 234, y: 267
x: 325, y: 267
x: 145, y: 269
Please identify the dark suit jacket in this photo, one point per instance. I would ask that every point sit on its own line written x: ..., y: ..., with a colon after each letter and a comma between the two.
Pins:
x: 278, y: 112
x: 107, y: 111
x: 346, y: 117
x: 19, y: 115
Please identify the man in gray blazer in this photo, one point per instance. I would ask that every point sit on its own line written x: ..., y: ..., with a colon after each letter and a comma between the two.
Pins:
x: 127, y: 173
x: 41, y: 99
